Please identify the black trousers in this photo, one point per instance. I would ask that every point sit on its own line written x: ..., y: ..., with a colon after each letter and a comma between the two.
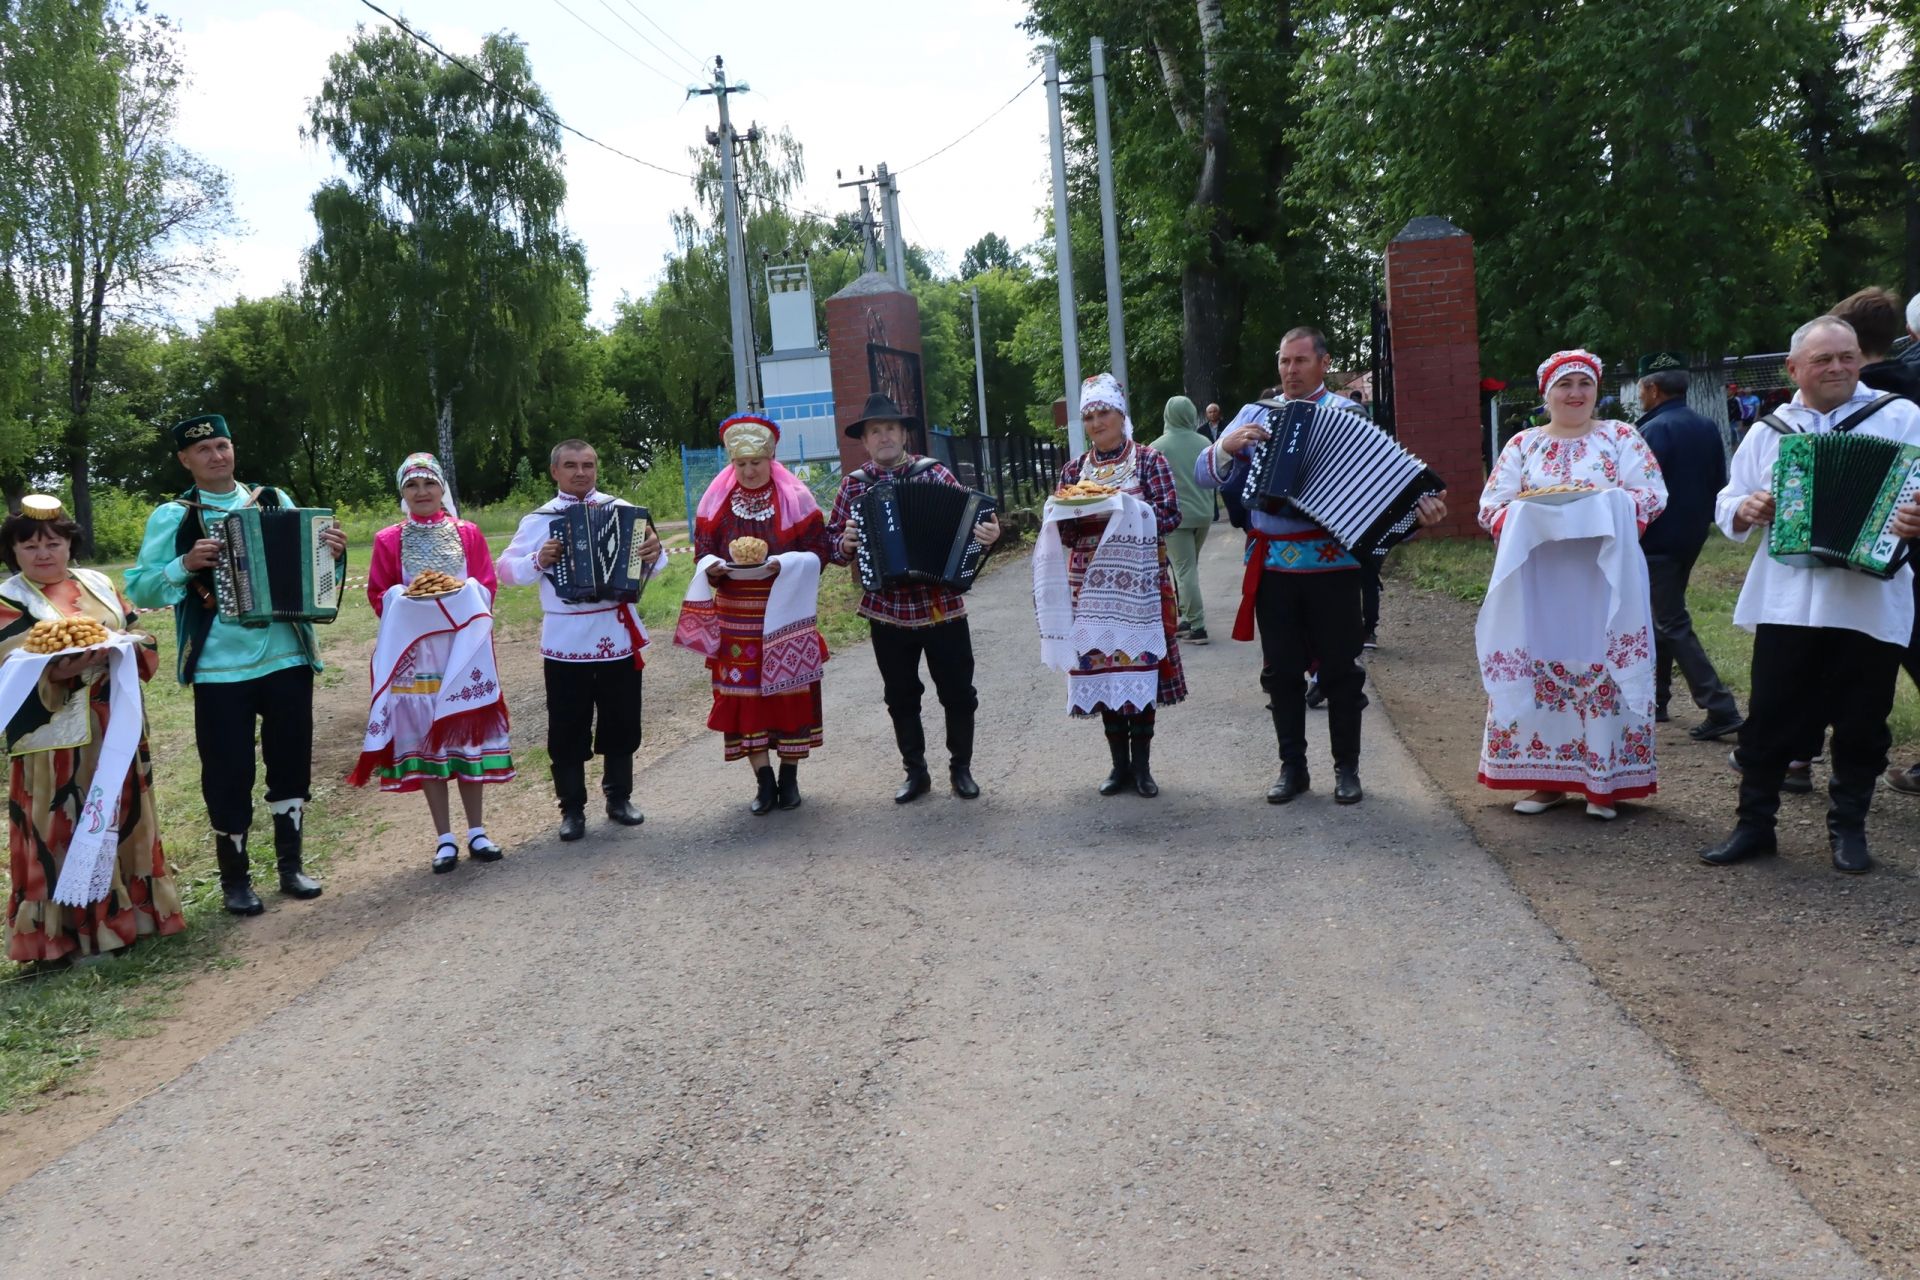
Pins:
x: 1675, y: 642
x: 1303, y: 616
x: 948, y: 648
x: 224, y: 716
x: 593, y: 708
x: 1370, y: 594
x: 1807, y: 678
x: 1911, y: 659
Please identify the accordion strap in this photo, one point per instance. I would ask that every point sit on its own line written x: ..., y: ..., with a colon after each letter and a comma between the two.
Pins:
x: 1775, y: 422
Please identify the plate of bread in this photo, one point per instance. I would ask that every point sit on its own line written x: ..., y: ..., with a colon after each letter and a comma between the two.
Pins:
x: 1554, y: 494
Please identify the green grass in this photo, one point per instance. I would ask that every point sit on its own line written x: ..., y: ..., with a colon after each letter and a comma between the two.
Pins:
x: 1460, y: 568
x: 53, y: 1023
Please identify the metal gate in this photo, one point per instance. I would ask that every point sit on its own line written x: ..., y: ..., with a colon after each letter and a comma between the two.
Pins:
x: 1382, y: 368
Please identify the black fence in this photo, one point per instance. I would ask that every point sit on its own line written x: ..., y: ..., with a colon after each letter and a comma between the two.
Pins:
x: 1019, y: 471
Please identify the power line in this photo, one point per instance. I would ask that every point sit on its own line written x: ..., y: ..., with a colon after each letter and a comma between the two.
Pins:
x: 697, y: 61
x: 977, y: 128
x: 535, y: 107
x: 617, y: 45
x: 673, y: 59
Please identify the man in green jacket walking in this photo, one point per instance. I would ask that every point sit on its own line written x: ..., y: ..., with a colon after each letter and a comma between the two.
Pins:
x: 1182, y: 444
x: 240, y: 675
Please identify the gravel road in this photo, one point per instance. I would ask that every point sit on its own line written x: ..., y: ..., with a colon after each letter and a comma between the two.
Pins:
x: 1039, y: 1035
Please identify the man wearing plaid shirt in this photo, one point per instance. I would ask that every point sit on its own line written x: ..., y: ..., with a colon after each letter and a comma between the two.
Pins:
x: 913, y: 618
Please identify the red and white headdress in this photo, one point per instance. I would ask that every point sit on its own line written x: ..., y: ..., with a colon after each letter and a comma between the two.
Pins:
x: 1561, y: 363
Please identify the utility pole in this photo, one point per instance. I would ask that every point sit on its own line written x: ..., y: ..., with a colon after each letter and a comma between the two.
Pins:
x: 979, y: 365
x: 866, y: 217
x: 745, y: 393
x: 1109, y: 231
x: 1063, y: 258
x: 896, y: 238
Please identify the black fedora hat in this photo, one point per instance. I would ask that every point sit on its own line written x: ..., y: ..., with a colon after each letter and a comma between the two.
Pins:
x: 879, y: 408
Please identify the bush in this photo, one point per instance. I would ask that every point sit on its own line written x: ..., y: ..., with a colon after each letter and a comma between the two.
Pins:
x: 119, y: 523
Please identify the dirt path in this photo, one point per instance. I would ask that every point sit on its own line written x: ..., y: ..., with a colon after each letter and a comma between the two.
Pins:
x: 1791, y: 993
x: 1043, y: 1034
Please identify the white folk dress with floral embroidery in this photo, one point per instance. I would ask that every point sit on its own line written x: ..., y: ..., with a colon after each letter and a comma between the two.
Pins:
x: 1566, y: 634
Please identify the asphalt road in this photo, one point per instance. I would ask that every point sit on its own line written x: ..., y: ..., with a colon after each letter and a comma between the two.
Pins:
x: 1039, y: 1035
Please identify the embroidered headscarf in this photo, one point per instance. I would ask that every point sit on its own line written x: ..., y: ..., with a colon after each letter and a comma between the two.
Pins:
x: 1561, y: 363
x: 744, y: 436
x: 1103, y: 391
x: 424, y: 464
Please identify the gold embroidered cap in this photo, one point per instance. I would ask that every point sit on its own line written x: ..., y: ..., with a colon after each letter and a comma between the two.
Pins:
x: 748, y: 438
x: 41, y: 506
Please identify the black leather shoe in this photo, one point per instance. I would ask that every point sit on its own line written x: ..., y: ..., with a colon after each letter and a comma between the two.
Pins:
x: 963, y: 784
x: 1712, y: 730
x: 918, y: 783
x: 1293, y: 781
x: 1346, y: 787
x: 1745, y: 843
x: 769, y: 791
x: 573, y: 824
x: 789, y: 785
x: 296, y: 883
x: 446, y: 856
x: 1850, y: 852
x: 239, y: 898
x: 623, y: 812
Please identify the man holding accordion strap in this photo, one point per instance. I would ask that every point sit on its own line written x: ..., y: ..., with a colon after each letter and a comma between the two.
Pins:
x: 591, y: 652
x: 1827, y: 642
x: 912, y: 618
x: 239, y: 674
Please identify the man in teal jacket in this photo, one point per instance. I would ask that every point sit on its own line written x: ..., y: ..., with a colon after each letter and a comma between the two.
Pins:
x: 239, y: 674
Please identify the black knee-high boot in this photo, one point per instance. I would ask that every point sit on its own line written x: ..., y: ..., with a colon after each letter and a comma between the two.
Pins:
x: 236, y: 878
x: 1849, y: 798
x: 294, y: 881
x: 1140, y: 741
x: 1752, y: 835
x: 1121, y: 778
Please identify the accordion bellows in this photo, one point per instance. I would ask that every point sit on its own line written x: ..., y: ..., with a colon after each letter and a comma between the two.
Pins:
x: 1834, y: 496
x: 1342, y: 472
x: 919, y: 532
x: 600, y: 557
x: 272, y: 566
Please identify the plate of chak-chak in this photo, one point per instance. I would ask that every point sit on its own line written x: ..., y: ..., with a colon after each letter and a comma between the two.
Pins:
x: 65, y: 636
x: 431, y: 584
x: 1082, y: 493
x: 1555, y: 494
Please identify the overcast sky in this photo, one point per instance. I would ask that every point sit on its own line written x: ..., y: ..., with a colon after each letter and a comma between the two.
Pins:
x: 857, y: 83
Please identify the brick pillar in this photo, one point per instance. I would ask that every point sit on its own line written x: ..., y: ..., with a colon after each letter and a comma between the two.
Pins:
x: 873, y: 310
x: 1433, y: 310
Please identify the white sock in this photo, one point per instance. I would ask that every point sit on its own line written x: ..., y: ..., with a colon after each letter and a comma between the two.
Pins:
x: 475, y: 833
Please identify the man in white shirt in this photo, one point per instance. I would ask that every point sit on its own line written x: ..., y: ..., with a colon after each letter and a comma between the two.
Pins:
x: 1827, y: 642
x: 592, y: 652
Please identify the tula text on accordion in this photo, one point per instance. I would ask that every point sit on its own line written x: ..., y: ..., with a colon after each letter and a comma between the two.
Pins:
x: 1834, y: 495
x: 1340, y: 471
x: 919, y: 532
x: 273, y: 566
x: 600, y: 556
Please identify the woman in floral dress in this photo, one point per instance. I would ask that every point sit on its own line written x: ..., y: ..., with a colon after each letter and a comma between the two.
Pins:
x: 55, y: 741
x: 1565, y: 634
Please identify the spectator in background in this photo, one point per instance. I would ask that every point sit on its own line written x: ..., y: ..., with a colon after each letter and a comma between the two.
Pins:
x: 1182, y: 443
x: 1693, y: 460
x: 1877, y: 319
x: 1211, y: 427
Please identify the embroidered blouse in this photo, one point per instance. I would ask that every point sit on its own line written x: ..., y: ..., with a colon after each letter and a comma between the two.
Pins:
x: 1610, y: 456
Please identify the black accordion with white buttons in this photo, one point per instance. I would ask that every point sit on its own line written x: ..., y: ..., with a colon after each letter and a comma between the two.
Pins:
x: 600, y: 557
x: 1341, y: 472
x: 919, y: 532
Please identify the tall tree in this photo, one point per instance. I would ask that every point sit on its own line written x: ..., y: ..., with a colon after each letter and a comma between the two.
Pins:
x: 441, y: 270
x: 99, y: 209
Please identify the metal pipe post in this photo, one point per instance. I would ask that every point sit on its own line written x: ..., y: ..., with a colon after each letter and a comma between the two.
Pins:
x: 1063, y: 258
x: 1109, y: 230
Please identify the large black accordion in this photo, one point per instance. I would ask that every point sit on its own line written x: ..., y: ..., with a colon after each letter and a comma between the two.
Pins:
x: 273, y: 566
x: 1340, y: 471
x: 919, y: 532
x: 600, y: 557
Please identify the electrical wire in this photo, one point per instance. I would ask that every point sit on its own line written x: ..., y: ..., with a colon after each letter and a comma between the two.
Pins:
x: 543, y: 112
x: 562, y: 4
x: 697, y: 60
x: 673, y: 59
x: 978, y: 127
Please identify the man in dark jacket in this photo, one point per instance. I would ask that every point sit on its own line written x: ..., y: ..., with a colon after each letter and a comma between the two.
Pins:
x: 1694, y: 462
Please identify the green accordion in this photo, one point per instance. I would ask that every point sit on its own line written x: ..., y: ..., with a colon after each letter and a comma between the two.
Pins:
x: 273, y: 567
x: 1834, y: 496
